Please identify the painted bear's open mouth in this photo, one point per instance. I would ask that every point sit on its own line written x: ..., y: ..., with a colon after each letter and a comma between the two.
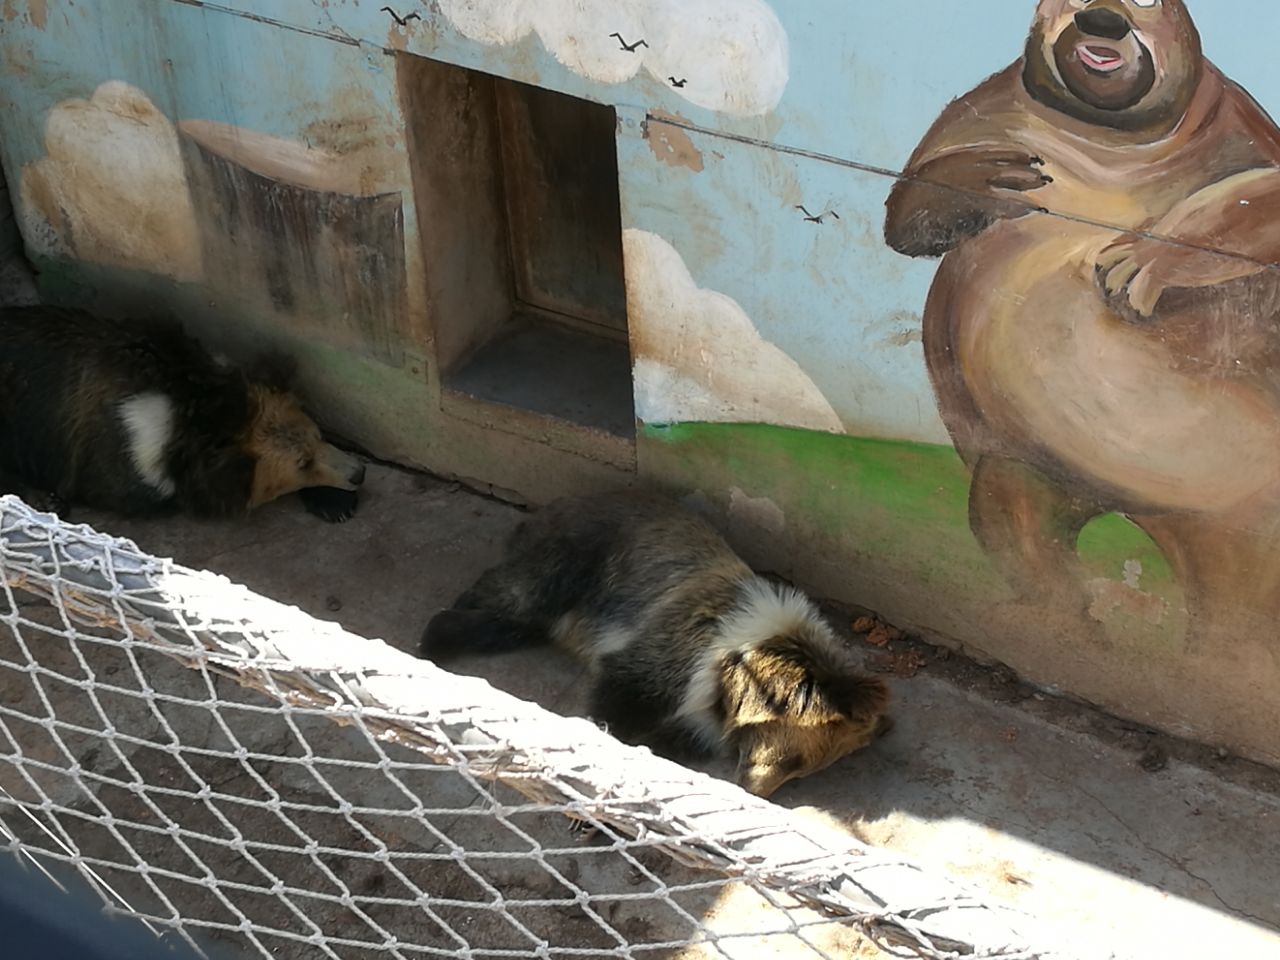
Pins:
x: 1099, y: 57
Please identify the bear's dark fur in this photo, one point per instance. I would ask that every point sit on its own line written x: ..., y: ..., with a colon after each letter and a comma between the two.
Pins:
x: 135, y: 417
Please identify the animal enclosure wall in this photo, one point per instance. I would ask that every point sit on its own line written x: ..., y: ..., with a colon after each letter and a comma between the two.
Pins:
x: 1057, y: 446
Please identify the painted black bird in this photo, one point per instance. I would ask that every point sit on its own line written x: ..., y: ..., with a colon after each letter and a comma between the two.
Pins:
x: 816, y: 219
x: 399, y: 19
x: 629, y: 48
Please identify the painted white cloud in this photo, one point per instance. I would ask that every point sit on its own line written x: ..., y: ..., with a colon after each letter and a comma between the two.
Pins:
x: 732, y: 54
x: 698, y: 357
x: 111, y: 188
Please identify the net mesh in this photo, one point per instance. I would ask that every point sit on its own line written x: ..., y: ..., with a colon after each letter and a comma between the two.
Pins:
x: 245, y: 778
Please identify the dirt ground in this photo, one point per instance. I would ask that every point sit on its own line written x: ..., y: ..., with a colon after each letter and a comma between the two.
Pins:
x: 1144, y: 845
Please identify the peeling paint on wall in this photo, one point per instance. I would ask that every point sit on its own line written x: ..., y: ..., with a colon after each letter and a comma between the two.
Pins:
x: 1126, y: 596
x: 697, y: 355
x: 761, y: 514
x: 111, y: 188
x: 670, y: 144
x: 37, y: 12
x: 725, y: 55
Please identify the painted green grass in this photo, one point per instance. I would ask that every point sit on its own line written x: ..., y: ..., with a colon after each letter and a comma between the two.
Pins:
x: 902, y: 505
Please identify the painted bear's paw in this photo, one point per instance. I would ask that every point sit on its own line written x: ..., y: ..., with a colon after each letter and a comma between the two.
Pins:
x: 1129, y: 276
x: 330, y: 504
x: 1134, y: 273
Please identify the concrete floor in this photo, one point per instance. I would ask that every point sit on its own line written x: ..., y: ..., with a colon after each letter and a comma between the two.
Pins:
x: 1143, y: 848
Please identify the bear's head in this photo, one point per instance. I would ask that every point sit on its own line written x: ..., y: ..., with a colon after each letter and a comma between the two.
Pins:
x: 1129, y: 65
x: 288, y: 452
x: 796, y: 705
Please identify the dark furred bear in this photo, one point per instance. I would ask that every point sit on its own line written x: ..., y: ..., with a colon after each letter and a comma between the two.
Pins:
x: 691, y: 652
x: 135, y: 417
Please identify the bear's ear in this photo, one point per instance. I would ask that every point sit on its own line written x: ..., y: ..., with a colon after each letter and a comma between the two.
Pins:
x: 768, y: 684
x: 784, y: 679
x: 218, y: 483
x: 275, y: 370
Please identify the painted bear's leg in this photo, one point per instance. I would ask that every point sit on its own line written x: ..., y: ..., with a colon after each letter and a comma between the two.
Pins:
x: 1029, y: 527
x: 1230, y: 571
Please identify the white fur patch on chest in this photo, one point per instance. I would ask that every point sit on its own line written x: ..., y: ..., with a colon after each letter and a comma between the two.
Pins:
x: 148, y: 421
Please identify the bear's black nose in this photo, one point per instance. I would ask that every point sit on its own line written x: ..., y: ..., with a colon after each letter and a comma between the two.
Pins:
x: 1102, y: 23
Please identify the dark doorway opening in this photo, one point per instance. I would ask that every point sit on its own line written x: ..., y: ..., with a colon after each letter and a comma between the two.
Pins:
x: 518, y: 208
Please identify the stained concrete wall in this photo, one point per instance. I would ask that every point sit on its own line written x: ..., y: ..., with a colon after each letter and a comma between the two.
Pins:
x: 17, y: 285
x: 1057, y: 447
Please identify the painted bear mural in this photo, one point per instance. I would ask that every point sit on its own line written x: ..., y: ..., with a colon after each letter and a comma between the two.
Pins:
x: 1103, y: 332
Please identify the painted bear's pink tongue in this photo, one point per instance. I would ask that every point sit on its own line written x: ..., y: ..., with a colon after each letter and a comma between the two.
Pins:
x: 1097, y: 56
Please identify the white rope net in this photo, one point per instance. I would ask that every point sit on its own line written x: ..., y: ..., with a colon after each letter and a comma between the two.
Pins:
x: 243, y: 777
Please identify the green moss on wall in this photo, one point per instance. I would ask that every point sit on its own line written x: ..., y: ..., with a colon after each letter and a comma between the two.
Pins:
x: 902, y: 508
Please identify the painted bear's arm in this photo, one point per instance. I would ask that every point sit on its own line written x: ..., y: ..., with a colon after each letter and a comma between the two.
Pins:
x: 1239, y: 215
x: 1222, y: 232
x: 967, y: 173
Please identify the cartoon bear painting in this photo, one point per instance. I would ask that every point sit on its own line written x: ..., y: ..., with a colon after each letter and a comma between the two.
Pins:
x: 1103, y: 332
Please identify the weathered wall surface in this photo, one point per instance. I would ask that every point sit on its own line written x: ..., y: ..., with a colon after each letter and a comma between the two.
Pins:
x: 16, y: 282
x: 1030, y: 405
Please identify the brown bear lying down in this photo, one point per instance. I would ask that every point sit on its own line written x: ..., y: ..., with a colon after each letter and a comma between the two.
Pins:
x: 135, y: 417
x: 691, y: 653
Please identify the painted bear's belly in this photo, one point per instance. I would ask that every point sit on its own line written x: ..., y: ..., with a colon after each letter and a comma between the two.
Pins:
x: 1052, y: 370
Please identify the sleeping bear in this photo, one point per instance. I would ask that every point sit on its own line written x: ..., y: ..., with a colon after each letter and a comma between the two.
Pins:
x: 690, y: 652
x: 135, y: 417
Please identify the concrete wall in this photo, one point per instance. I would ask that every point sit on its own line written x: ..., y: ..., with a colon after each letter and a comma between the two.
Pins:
x: 17, y: 285
x: 1058, y: 447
